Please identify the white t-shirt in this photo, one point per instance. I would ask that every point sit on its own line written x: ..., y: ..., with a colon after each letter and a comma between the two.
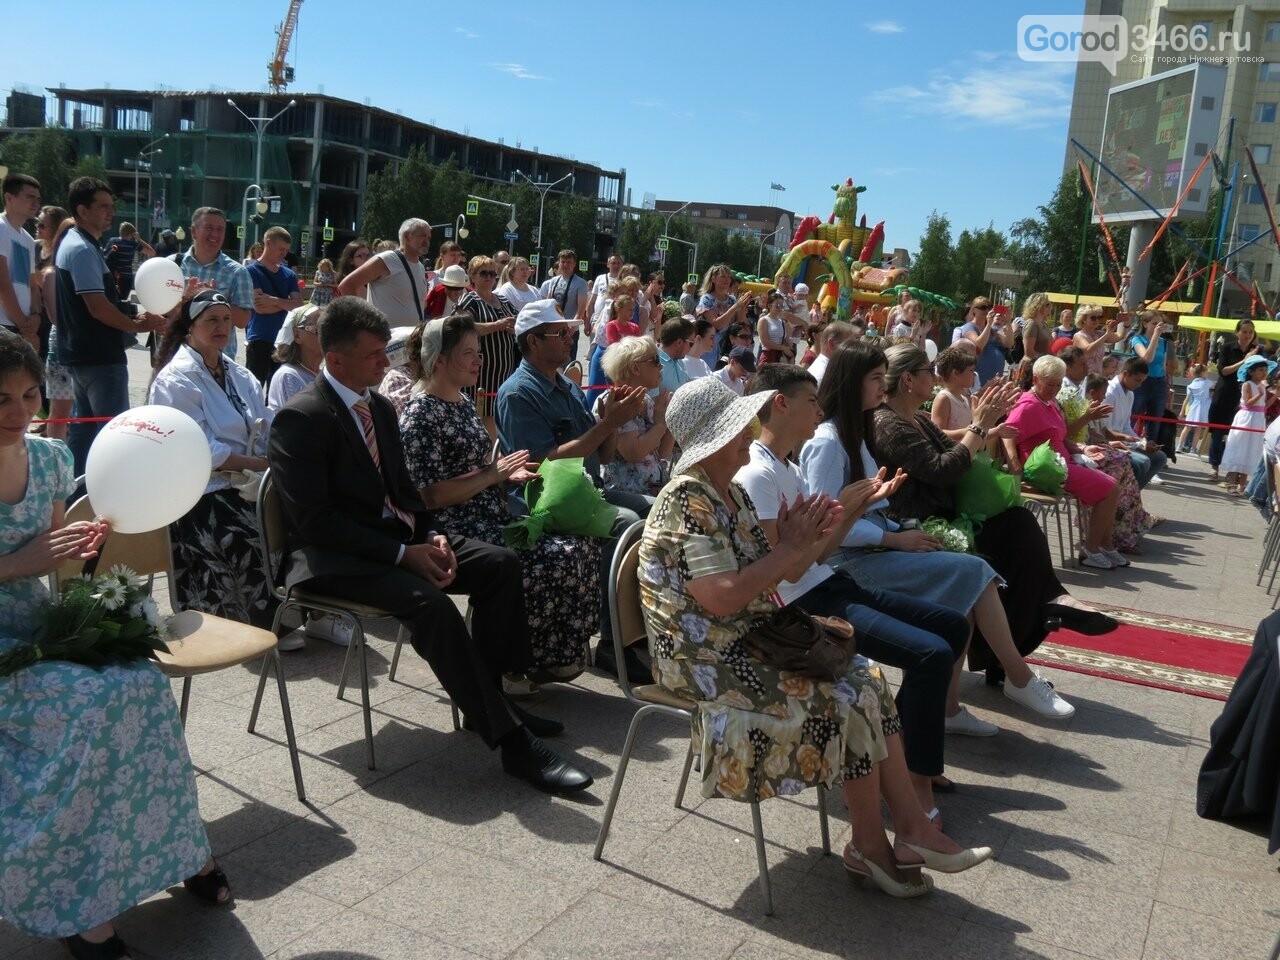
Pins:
x: 1121, y: 401
x: 737, y: 386
x: 518, y: 298
x: 18, y: 248
x: 600, y: 290
x: 768, y: 481
x: 696, y: 367
x: 393, y: 294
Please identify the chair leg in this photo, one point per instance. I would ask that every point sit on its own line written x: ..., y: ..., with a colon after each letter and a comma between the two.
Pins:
x: 274, y: 657
x: 618, y: 777
x: 758, y: 829
x: 684, y: 775
x: 346, y: 663
x: 186, y: 699
x: 823, y: 826
x: 457, y: 719
x: 395, y: 657
x: 364, y: 691
x: 257, y: 700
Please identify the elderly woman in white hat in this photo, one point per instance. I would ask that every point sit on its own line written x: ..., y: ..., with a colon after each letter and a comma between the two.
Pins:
x: 707, y: 575
x: 298, y: 353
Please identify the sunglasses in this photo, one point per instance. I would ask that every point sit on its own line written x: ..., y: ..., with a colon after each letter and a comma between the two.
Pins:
x: 557, y: 335
x: 486, y: 273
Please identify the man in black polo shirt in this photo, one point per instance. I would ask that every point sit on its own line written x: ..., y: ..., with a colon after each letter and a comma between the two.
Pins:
x: 92, y: 322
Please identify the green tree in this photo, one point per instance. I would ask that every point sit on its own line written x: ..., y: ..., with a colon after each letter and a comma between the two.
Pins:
x: 973, y: 248
x: 1047, y: 246
x: 393, y: 195
x: 45, y: 155
x: 933, y: 268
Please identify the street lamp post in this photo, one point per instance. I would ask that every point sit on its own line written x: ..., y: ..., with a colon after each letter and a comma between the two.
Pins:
x: 144, y: 154
x: 693, y: 265
x: 259, y: 125
x: 510, y: 224
x: 666, y: 228
x: 760, y: 255
x: 543, y: 189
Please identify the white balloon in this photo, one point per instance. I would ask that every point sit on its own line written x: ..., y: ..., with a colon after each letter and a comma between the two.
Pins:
x: 147, y: 468
x: 931, y: 350
x: 159, y: 283
x: 397, y: 354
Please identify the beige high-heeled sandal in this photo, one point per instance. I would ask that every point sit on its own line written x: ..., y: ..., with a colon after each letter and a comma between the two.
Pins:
x: 870, y: 872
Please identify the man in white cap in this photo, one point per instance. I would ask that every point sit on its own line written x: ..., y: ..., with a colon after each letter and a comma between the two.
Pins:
x: 542, y: 411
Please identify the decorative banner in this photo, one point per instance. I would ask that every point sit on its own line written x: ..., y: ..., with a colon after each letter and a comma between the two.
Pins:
x: 159, y: 283
x: 147, y: 468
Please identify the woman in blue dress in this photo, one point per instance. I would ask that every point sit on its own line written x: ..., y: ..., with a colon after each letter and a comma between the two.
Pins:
x: 98, y: 806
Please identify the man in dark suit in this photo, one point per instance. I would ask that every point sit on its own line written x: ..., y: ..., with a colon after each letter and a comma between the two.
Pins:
x: 358, y: 530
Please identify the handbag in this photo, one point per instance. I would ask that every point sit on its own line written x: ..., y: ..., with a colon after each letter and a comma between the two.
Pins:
x: 820, y: 648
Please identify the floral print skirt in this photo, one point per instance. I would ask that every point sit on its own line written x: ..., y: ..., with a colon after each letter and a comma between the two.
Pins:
x: 217, y: 561
x: 1132, y: 519
x: 814, y: 733
x: 98, y: 807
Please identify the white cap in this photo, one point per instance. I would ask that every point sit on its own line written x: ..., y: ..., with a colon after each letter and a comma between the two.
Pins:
x: 538, y: 314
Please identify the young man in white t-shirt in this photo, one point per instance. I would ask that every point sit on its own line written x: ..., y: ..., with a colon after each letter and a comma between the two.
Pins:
x: 600, y: 289
x: 924, y: 639
x: 704, y: 342
x: 18, y: 250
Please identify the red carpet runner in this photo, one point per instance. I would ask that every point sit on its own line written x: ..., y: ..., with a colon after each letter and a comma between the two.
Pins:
x: 1202, y: 659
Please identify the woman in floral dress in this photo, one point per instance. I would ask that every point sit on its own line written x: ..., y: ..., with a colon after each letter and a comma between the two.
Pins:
x: 707, y: 574
x: 98, y: 807
x: 447, y: 451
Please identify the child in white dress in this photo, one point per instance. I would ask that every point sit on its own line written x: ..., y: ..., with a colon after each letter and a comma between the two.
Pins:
x: 1244, y: 446
x: 951, y: 412
x: 1198, y: 393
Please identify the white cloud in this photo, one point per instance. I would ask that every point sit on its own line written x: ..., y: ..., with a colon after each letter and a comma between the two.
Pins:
x: 1023, y: 96
x: 517, y: 70
x: 885, y: 26
x: 464, y: 32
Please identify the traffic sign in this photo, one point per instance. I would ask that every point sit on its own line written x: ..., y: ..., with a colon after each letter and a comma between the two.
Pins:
x: 306, y: 238
x: 533, y: 260
x: 693, y: 278
x: 328, y: 234
x: 512, y: 225
x: 511, y: 235
x: 664, y: 243
x: 473, y: 208
x: 240, y: 232
x: 583, y: 266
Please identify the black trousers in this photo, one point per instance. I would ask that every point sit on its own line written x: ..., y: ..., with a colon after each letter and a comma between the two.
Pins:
x: 257, y: 357
x: 469, y: 666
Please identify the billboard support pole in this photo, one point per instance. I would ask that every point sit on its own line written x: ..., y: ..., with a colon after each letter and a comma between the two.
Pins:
x: 1228, y: 200
x: 1084, y: 237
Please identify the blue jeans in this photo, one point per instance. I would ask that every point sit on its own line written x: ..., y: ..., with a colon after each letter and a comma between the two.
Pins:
x: 921, y: 637
x: 1146, y: 465
x: 101, y: 390
x: 1256, y: 488
x: 1150, y: 398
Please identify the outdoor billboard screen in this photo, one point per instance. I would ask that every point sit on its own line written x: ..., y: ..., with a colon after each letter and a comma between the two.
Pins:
x: 1156, y: 133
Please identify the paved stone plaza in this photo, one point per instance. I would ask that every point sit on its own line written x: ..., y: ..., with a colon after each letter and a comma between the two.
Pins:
x: 438, y: 854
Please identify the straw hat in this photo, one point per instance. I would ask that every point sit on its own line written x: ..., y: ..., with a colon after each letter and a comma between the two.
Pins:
x: 705, y: 414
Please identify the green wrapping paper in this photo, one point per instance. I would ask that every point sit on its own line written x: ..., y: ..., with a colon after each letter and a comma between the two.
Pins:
x: 561, y: 499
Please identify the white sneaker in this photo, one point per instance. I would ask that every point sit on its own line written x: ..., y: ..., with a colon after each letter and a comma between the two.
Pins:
x: 965, y: 724
x: 1099, y: 561
x: 293, y: 640
x: 1155, y: 481
x: 330, y: 627
x: 1117, y: 558
x: 1040, y: 697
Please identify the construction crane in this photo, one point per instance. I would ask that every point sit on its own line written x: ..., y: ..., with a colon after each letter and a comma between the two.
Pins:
x: 280, y: 74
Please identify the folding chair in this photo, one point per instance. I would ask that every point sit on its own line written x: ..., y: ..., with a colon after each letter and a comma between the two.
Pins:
x: 628, y: 628
x: 1271, y: 541
x: 1044, y: 506
x: 199, y: 642
x: 271, y: 535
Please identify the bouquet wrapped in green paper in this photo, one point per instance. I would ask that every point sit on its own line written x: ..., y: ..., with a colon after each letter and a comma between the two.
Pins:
x: 985, y: 492
x: 956, y: 535
x: 561, y: 499
x: 1045, y: 470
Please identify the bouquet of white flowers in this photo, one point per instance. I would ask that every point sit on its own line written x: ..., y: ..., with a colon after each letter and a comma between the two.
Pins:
x: 957, y: 536
x: 110, y: 620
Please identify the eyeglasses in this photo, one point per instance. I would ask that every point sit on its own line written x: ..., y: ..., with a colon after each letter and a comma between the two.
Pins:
x: 657, y: 362
x: 486, y: 273
x: 919, y: 371
x: 984, y: 309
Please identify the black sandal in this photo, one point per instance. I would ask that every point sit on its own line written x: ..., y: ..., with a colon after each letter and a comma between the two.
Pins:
x: 112, y: 948
x: 211, y: 887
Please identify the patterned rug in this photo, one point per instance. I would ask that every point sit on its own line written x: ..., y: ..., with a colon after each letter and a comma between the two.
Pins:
x: 1171, y: 653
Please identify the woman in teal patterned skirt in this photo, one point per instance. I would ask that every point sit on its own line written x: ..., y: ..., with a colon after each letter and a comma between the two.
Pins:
x: 97, y: 797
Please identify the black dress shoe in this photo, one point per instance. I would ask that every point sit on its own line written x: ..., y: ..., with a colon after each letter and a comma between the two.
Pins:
x: 527, y: 757
x: 1089, y: 622
x: 995, y: 676
x: 538, y: 726
x: 637, y: 673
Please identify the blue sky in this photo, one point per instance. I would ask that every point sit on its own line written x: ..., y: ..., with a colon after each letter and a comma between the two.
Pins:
x: 926, y: 103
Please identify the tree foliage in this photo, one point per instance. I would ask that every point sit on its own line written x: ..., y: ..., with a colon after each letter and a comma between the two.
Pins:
x: 973, y: 248
x: 933, y: 267
x: 47, y: 155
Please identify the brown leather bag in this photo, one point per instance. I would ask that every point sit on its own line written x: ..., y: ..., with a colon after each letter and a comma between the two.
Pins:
x: 820, y: 648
